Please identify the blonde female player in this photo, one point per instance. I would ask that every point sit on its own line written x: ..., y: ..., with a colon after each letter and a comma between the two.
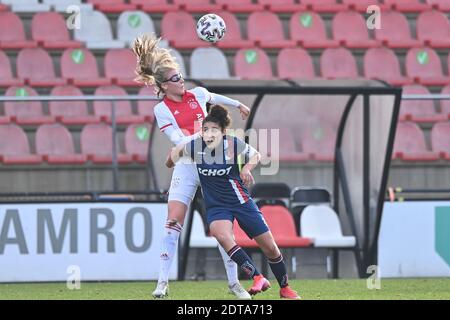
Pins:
x: 179, y: 116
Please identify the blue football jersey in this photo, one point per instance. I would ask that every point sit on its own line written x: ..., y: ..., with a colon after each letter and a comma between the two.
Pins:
x: 218, y: 171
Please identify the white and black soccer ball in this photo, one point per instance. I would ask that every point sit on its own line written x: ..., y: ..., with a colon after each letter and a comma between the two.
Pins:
x: 211, y: 28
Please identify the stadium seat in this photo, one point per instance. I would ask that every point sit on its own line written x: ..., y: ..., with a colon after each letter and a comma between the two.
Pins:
x: 26, y: 5
x: 6, y: 76
x: 280, y: 6
x: 382, y: 63
x: 336, y: 63
x: 132, y: 24
x: 424, y: 66
x: 350, y: 29
x: 308, y: 29
x: 96, y: 144
x: 119, y: 66
x: 35, y: 66
x: 406, y: 5
x: 55, y: 144
x: 12, y: 32
x: 410, y: 144
x: 50, y: 31
x: 137, y: 138
x: 233, y: 37
x: 14, y: 146
x: 198, y: 238
x: 281, y: 224
x: 395, y: 32
x: 209, y: 63
x: 295, y: 63
x: 441, y: 5
x: 445, y: 104
x: 70, y: 112
x: 323, y: 5
x: 96, y: 31
x: 360, y: 5
x: 123, y: 113
x: 239, y: 6
x: 179, y: 29
x: 433, y: 28
x: 112, y: 6
x: 154, y: 6
x: 418, y: 110
x: 62, y: 5
x: 24, y: 112
x: 252, y: 64
x: 270, y: 192
x: 265, y: 29
x: 440, y: 141
x: 319, y: 142
x: 145, y: 107
x: 79, y: 67
x: 203, y: 6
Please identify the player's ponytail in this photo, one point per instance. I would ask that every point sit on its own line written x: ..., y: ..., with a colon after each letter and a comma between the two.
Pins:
x: 220, y: 115
x: 153, y: 62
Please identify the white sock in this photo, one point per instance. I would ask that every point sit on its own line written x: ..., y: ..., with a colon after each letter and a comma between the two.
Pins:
x: 168, y: 250
x: 230, y: 267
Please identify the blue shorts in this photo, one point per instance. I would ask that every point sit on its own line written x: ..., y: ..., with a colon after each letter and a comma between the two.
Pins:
x: 249, y: 217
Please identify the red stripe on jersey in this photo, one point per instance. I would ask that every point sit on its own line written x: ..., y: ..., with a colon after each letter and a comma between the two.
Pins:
x: 163, y: 127
x: 188, y: 113
x: 244, y: 196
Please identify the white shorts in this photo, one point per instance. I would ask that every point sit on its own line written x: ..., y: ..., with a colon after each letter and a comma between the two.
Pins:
x: 184, y: 182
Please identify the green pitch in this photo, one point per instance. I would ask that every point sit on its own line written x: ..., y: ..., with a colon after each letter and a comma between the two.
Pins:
x: 396, y: 289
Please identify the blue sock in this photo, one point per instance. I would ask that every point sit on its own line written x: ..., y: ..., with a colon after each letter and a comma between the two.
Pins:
x: 278, y: 268
x: 243, y: 261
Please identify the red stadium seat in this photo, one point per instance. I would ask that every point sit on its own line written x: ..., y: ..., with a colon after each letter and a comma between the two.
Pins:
x: 96, y: 144
x: 338, y: 63
x: 445, y: 104
x: 123, y: 112
x: 308, y: 29
x: 295, y: 63
x: 70, y: 112
x: 395, y: 31
x: 112, y: 6
x: 14, y: 146
x: 145, y: 107
x: 433, y: 28
x: 203, y: 6
x: 441, y: 5
x: 424, y: 65
x: 440, y: 141
x: 406, y: 5
x: 266, y: 30
x: 350, y: 29
x: 382, y: 64
x: 25, y: 112
x: 360, y: 5
x: 281, y: 6
x: 137, y: 138
x: 323, y: 5
x: 35, y: 66
x: 6, y: 76
x: 282, y: 226
x: 233, y: 37
x: 12, y: 32
x: 319, y: 142
x: 119, y: 67
x: 179, y: 29
x: 419, y: 110
x: 153, y: 6
x: 55, y: 144
x: 252, y: 64
x: 239, y: 5
x: 50, y: 31
x: 79, y: 67
x: 410, y: 144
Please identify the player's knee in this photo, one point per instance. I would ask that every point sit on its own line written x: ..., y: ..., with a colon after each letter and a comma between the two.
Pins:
x: 222, y: 237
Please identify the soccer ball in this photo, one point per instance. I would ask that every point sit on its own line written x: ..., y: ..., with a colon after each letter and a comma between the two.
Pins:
x: 211, y: 28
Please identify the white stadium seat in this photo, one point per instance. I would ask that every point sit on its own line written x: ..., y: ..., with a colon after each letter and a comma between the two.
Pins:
x: 26, y: 5
x: 209, y: 63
